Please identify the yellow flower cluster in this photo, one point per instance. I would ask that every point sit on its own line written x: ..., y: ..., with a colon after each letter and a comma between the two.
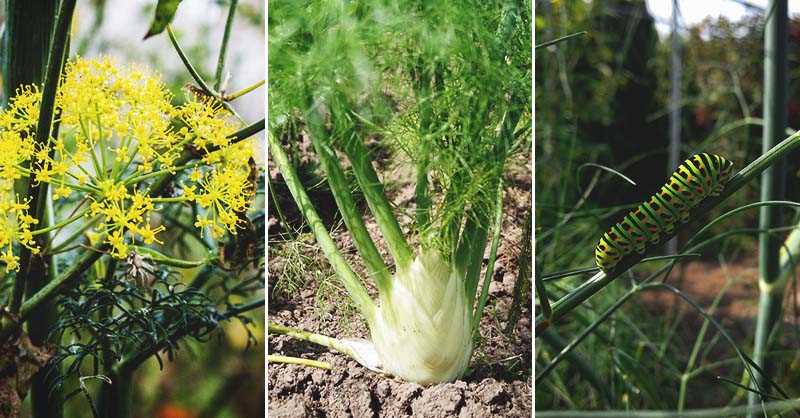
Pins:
x: 219, y: 190
x: 118, y: 132
x: 124, y: 211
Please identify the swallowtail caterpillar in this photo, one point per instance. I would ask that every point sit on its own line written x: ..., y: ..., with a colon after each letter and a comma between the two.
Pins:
x: 700, y: 176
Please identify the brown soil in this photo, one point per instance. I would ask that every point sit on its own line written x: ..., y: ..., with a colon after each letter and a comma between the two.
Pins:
x: 498, y: 384
x: 738, y: 307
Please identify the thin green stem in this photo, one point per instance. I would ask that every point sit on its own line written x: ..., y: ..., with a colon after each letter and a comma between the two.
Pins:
x: 233, y: 96
x: 177, y: 199
x: 223, y: 49
x: 346, y: 204
x: 188, y: 64
x: 273, y: 358
x: 577, y: 296
x: 379, y: 205
x: 60, y: 224
x: 318, y: 339
x: 196, y: 75
x: 489, y: 274
x: 776, y: 407
x: 343, y: 270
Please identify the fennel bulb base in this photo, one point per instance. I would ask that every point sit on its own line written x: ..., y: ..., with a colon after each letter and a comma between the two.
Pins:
x: 421, y: 330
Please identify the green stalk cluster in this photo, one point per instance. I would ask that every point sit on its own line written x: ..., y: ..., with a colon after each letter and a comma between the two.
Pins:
x: 336, y: 71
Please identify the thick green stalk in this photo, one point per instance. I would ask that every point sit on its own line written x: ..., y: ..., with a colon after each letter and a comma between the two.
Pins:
x: 373, y: 191
x: 346, y: 204
x: 53, y: 287
x: 38, y: 192
x: 597, y: 282
x: 421, y: 193
x: 772, y: 186
x: 27, y: 42
x: 346, y: 274
x: 469, y: 254
x: 489, y: 274
x: 45, y: 403
x: 28, y: 31
x: 115, y: 400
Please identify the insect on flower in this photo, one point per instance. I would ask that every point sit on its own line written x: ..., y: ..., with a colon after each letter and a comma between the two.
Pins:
x: 139, y: 270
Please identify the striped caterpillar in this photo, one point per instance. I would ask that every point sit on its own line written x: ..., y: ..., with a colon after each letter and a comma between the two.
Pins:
x: 700, y: 176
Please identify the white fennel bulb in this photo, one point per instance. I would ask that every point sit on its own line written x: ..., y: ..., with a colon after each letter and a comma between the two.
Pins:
x: 421, y: 330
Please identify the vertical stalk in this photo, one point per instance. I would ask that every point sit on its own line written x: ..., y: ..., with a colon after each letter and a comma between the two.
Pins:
x: 772, y: 187
x: 675, y: 106
x: 45, y: 403
x: 223, y: 49
x: 115, y: 400
x: 320, y: 139
x: 356, y: 290
x: 29, y: 29
x: 27, y: 40
x: 376, y: 199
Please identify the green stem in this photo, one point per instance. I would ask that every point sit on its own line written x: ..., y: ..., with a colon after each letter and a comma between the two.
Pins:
x: 27, y: 42
x: 378, y: 204
x: 224, y: 46
x: 698, y: 344
x: 188, y: 64
x: 28, y: 30
x: 133, y: 360
x: 273, y: 358
x: 577, y: 296
x: 233, y: 96
x: 311, y: 337
x: 60, y: 224
x: 777, y: 408
x: 348, y: 278
x: 178, y: 199
x: 46, y: 400
x: 49, y: 290
x: 196, y: 75
x: 55, y: 63
x: 346, y: 204
x: 772, y: 187
x: 489, y: 273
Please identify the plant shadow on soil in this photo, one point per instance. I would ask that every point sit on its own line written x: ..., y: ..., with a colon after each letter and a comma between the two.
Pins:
x: 499, y: 382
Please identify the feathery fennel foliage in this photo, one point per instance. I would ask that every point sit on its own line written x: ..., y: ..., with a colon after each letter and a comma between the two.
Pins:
x: 448, y: 85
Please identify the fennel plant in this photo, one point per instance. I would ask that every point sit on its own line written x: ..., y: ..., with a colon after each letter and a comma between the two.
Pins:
x: 447, y: 87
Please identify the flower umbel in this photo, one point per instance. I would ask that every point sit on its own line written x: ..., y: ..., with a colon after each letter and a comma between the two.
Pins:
x: 119, y: 132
